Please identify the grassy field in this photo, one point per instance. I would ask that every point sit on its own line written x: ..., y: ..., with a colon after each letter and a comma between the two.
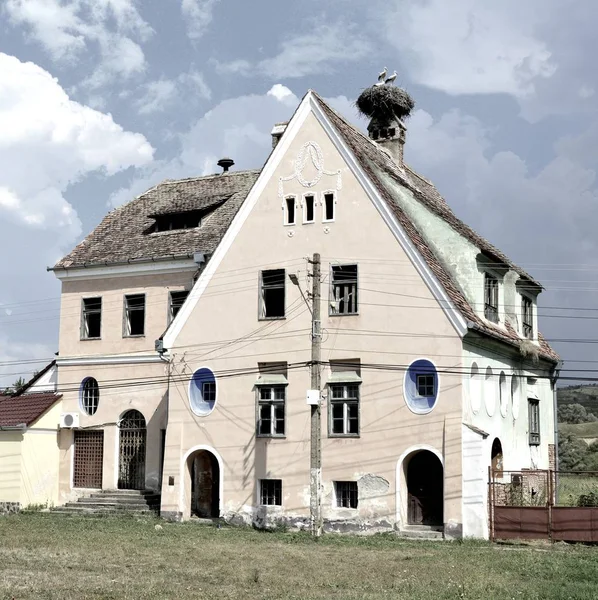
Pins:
x: 584, y: 430
x: 45, y: 556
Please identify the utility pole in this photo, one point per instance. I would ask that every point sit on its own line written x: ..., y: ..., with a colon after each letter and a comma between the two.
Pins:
x: 315, y: 470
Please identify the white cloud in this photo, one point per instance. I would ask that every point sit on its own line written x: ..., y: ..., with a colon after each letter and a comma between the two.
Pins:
x: 69, y: 29
x: 198, y: 15
x: 319, y: 50
x: 469, y: 47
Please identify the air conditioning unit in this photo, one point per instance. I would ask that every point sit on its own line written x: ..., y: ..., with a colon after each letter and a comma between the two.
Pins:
x: 69, y: 420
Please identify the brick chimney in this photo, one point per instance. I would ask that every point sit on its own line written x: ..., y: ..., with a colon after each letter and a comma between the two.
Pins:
x: 390, y: 135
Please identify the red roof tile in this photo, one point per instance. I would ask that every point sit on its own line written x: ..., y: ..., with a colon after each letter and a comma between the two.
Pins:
x: 27, y: 408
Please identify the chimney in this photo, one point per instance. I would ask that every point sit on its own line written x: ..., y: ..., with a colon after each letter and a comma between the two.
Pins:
x: 390, y: 135
x: 226, y: 164
x: 277, y: 131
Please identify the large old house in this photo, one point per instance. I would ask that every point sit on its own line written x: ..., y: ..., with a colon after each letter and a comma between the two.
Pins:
x: 185, y: 343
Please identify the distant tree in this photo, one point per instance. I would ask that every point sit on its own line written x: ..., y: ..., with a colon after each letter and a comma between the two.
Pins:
x: 16, y: 386
x: 575, y: 413
x: 574, y: 454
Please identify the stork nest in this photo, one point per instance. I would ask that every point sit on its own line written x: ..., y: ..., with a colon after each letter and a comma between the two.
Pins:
x: 385, y: 102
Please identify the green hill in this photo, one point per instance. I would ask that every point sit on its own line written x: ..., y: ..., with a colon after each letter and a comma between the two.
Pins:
x: 586, y: 395
x: 582, y: 430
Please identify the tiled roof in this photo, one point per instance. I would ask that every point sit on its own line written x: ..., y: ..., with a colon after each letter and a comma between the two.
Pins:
x: 123, y: 235
x: 377, y: 164
x: 26, y: 408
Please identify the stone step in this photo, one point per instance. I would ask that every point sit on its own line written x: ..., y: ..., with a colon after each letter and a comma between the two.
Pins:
x: 88, y: 512
x: 100, y: 499
x: 84, y: 503
x: 126, y: 493
x: 417, y: 532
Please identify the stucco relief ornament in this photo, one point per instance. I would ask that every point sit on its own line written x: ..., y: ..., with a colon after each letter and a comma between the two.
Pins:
x: 310, y: 151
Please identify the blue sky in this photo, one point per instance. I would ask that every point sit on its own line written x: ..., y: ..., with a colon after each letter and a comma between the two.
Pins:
x: 100, y: 99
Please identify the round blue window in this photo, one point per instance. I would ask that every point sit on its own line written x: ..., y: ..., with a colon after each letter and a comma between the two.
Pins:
x: 421, y: 386
x: 202, y: 392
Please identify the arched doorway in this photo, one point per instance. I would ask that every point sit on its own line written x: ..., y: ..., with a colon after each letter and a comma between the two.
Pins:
x: 496, y: 458
x: 204, y: 472
x: 131, y: 459
x: 425, y: 497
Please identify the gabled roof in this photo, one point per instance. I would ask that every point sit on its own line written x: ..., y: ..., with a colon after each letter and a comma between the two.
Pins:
x: 124, y: 236
x: 377, y: 163
x: 26, y: 408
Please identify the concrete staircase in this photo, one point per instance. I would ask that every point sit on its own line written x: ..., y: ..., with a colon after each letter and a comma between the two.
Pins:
x: 144, y: 503
x: 421, y: 532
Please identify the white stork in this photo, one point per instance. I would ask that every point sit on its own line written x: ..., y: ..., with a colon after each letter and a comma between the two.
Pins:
x: 382, y: 76
x: 391, y: 78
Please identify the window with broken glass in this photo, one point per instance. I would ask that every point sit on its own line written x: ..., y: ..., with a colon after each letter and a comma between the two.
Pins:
x: 527, y: 317
x: 343, y: 417
x: 271, y: 411
x: 491, y: 297
x: 534, y: 421
x: 271, y: 492
x: 272, y: 294
x: 177, y: 299
x: 343, y: 290
x: 134, y: 315
x: 346, y: 493
x: 91, y: 318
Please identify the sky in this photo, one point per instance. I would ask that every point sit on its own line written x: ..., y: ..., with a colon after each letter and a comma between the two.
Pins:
x: 101, y: 99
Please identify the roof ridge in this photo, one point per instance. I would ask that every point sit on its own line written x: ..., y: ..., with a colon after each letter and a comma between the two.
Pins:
x: 204, y: 177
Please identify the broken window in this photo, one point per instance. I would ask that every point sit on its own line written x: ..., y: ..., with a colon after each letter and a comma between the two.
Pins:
x: 534, y: 421
x: 527, y: 317
x: 177, y: 299
x: 346, y: 494
x: 308, y: 209
x: 134, y: 314
x: 91, y: 318
x: 491, y: 297
x: 329, y: 206
x: 90, y: 396
x: 343, y: 290
x: 344, y: 409
x: 426, y: 385
x: 271, y: 408
x: 290, y: 211
x: 272, y: 294
x: 271, y: 492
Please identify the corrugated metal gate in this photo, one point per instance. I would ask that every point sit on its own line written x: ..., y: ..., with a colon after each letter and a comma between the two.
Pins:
x: 132, y: 441
x: 88, y: 459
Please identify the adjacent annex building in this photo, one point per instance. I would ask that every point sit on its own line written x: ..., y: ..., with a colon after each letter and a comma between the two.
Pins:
x: 185, y: 343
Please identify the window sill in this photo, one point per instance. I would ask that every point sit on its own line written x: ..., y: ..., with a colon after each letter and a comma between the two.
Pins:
x: 534, y: 443
x: 308, y: 222
x: 271, y: 318
x: 354, y: 314
x: 344, y: 435
x: 267, y: 436
x: 136, y: 335
x: 89, y: 339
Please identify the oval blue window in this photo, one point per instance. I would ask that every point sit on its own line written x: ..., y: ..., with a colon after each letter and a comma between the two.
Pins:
x: 202, y: 392
x: 421, y: 386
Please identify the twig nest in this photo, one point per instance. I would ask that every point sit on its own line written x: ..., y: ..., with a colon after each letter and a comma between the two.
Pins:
x: 385, y: 103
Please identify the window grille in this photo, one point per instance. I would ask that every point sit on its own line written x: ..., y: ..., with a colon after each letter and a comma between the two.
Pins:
x: 527, y: 317
x: 177, y: 299
x: 346, y: 494
x: 91, y: 318
x: 534, y: 421
x: 271, y: 409
x: 491, y: 298
x: 271, y: 492
x: 344, y: 409
x: 343, y: 290
x: 88, y: 458
x: 272, y: 294
x: 135, y: 314
x: 90, y: 396
x: 425, y: 385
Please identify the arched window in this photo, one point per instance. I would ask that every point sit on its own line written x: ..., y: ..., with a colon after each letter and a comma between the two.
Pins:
x: 90, y: 396
x: 475, y: 388
x: 503, y: 394
x: 421, y: 386
x: 490, y: 392
x: 497, y: 458
x: 202, y: 392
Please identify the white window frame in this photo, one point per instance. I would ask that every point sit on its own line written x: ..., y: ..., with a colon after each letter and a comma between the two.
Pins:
x: 90, y: 396
x: 172, y: 316
x: 272, y: 402
x: 84, y: 330
x: 304, y: 204
x: 346, y: 400
x: 323, y: 205
x: 285, y: 209
x: 127, y: 322
x: 333, y: 300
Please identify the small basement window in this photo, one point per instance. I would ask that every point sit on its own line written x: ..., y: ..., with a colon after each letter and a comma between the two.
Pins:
x: 346, y: 494
x: 271, y: 492
x: 343, y: 290
x: 134, y: 315
x: 290, y: 211
x: 177, y: 299
x: 329, y: 206
x: 491, y: 297
x: 272, y: 294
x: 527, y: 317
x: 91, y: 318
x: 308, y: 209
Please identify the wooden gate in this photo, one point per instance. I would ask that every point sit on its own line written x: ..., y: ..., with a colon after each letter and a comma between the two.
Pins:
x: 88, y: 458
x: 132, y: 439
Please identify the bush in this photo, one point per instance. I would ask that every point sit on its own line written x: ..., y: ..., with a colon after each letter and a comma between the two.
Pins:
x: 590, y: 499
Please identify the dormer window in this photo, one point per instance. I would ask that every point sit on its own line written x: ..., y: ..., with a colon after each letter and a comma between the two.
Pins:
x: 289, y: 210
x: 527, y: 317
x: 181, y: 220
x: 491, y: 297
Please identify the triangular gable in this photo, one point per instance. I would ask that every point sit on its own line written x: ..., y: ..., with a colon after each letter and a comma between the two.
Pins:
x: 311, y: 105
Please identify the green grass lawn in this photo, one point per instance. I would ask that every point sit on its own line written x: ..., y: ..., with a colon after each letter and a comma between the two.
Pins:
x: 47, y: 556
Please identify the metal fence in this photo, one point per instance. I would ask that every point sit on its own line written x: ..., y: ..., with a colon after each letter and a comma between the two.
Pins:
x: 543, y: 504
